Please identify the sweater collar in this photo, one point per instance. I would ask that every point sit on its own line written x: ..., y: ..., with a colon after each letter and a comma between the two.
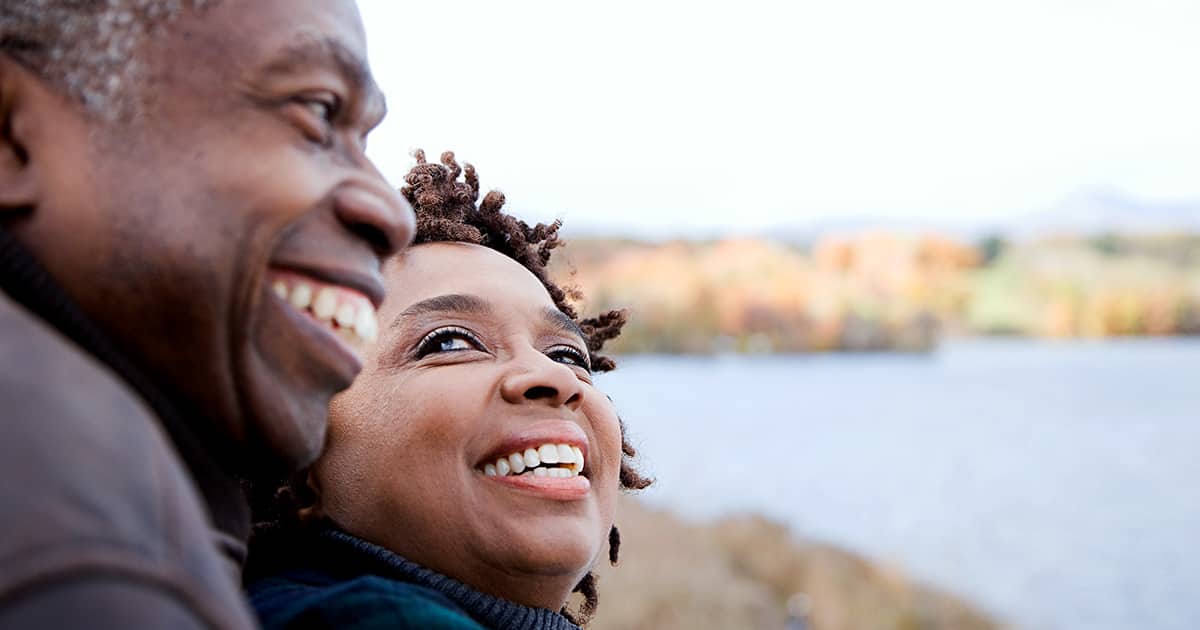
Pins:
x: 344, y: 552
x: 24, y: 279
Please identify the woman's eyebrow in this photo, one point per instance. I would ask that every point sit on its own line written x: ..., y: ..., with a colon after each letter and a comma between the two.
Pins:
x: 449, y: 303
x: 561, y: 322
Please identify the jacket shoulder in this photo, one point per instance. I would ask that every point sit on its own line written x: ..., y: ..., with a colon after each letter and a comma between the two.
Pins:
x: 90, y: 487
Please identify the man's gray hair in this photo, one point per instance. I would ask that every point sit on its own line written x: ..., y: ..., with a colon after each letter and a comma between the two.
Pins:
x: 84, y: 47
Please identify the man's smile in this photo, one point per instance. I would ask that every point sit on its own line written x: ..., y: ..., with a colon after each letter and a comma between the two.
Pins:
x: 344, y: 314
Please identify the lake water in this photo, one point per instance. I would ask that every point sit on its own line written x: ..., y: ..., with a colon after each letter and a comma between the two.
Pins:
x: 1056, y: 485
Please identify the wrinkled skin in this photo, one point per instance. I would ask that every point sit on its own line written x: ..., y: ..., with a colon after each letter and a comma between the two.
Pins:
x: 408, y: 439
x: 245, y: 155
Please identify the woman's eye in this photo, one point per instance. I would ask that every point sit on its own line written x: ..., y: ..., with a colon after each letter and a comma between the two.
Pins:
x: 570, y: 356
x: 448, y: 340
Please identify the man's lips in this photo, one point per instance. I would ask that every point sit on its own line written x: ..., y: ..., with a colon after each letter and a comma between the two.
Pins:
x: 341, y: 320
x: 367, y: 285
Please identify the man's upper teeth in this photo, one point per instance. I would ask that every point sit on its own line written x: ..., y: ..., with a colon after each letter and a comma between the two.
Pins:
x: 547, y: 460
x: 325, y: 304
x: 343, y: 309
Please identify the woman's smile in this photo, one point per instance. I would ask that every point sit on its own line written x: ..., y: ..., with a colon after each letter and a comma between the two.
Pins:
x: 546, y: 459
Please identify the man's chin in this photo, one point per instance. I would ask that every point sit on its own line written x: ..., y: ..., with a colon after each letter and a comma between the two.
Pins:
x: 285, y: 393
x: 286, y: 432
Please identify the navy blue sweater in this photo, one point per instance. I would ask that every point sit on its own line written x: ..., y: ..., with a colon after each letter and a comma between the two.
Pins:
x: 329, y: 579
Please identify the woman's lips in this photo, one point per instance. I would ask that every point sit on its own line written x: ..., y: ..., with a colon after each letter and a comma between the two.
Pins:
x: 560, y: 460
x: 554, y: 488
x: 546, y: 458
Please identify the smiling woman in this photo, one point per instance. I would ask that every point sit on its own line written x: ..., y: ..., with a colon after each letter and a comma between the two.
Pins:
x: 471, y: 473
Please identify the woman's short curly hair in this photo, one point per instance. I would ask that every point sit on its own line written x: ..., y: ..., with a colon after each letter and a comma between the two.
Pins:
x: 448, y: 210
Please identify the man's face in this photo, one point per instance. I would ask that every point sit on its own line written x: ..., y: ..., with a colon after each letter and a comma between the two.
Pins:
x: 188, y: 231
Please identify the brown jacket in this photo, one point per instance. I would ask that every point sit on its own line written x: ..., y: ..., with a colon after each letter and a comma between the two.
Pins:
x: 102, y: 523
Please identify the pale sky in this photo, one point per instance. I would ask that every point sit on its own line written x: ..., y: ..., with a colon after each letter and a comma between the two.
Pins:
x: 665, y: 117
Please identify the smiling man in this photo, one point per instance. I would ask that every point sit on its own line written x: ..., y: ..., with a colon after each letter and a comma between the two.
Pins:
x: 190, y: 247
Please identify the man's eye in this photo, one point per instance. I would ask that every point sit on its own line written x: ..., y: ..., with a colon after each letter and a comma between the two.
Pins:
x: 452, y: 339
x: 570, y: 356
x: 324, y: 108
x: 315, y: 115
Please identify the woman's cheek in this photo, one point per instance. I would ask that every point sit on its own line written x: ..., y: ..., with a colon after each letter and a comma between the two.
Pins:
x: 607, y: 430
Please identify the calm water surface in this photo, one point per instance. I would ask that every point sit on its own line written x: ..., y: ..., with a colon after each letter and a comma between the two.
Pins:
x: 1057, y: 485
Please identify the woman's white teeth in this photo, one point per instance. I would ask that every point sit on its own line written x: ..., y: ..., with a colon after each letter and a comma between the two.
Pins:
x: 346, y: 311
x: 548, y: 460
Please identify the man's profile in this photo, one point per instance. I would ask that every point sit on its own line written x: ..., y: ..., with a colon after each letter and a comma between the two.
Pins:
x: 163, y: 165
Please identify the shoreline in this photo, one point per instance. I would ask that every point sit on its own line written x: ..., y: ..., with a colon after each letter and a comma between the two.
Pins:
x: 741, y: 571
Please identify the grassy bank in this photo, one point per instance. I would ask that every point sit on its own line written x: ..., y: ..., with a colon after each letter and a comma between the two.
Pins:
x: 740, y: 573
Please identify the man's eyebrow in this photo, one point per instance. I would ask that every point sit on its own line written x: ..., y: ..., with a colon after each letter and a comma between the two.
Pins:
x: 449, y: 303
x: 307, y: 51
x: 562, y: 322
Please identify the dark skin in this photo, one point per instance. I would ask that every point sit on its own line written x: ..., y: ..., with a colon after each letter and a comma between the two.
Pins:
x: 245, y: 159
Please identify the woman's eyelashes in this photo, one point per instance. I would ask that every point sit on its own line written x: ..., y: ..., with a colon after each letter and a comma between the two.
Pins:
x: 570, y: 355
x: 448, y: 339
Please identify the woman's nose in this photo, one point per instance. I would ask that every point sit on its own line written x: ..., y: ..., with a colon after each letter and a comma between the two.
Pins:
x: 536, y: 378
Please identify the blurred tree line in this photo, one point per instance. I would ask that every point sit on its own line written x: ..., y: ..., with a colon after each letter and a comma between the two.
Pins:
x: 878, y: 291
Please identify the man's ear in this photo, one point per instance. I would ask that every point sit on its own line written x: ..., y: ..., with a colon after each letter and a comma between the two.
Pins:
x: 18, y: 180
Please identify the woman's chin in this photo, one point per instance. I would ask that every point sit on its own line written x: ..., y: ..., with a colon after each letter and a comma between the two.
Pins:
x: 545, y: 555
x: 553, y: 558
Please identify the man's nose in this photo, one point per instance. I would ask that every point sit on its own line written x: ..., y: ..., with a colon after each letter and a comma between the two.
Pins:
x: 379, y: 215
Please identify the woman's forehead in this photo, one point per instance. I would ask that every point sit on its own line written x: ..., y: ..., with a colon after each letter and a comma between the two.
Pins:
x: 431, y: 270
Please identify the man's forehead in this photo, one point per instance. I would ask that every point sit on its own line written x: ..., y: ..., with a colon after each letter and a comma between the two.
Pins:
x: 271, y: 27
x: 309, y: 50
x: 264, y: 39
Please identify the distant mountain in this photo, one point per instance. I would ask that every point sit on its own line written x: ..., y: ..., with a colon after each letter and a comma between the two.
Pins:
x: 1086, y: 213
x: 1100, y: 211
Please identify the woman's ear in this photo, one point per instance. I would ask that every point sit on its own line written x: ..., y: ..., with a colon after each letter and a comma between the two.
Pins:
x: 18, y: 176
x: 313, y: 509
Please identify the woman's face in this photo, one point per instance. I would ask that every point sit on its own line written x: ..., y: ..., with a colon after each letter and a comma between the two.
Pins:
x: 475, y: 371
